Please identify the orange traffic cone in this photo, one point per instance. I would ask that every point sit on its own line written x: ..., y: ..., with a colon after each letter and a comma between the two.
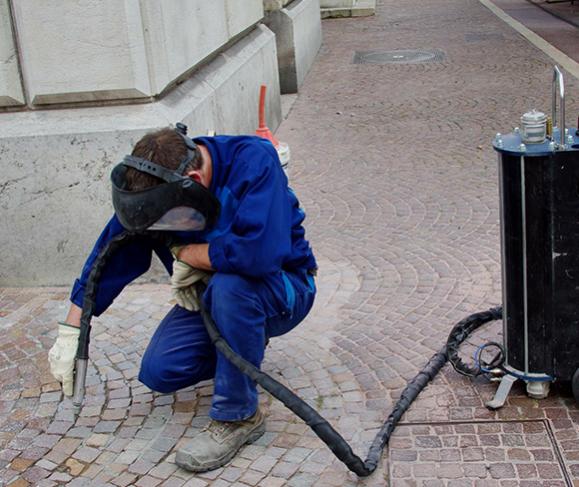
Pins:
x: 262, y: 130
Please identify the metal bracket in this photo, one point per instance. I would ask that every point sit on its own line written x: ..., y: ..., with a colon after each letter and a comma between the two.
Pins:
x: 502, y: 392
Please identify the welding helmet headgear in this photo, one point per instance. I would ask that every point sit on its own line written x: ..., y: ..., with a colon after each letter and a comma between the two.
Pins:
x: 178, y: 204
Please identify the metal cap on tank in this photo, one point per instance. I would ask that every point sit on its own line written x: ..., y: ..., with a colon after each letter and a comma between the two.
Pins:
x: 534, y: 127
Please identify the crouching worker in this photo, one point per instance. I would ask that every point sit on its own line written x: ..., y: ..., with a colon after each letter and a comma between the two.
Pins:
x: 257, y: 263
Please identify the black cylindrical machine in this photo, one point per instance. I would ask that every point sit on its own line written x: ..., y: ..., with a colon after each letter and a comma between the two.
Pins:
x: 539, y: 195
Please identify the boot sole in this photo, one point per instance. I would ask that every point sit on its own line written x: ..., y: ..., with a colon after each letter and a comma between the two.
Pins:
x: 186, y: 464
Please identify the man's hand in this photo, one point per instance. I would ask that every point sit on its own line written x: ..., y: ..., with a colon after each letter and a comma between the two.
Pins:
x: 62, y: 354
x: 183, y: 284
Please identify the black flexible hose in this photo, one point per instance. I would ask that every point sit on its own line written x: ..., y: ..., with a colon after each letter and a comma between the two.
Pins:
x: 309, y: 415
x: 88, y: 308
x: 89, y: 299
x: 460, y: 333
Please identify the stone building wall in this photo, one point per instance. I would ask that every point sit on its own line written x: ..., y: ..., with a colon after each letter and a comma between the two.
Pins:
x: 82, y: 81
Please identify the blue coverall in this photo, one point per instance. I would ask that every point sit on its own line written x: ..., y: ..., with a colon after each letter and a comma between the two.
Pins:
x: 263, y: 285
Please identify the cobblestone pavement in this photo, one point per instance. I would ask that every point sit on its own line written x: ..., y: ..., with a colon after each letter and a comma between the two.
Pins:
x: 394, y: 166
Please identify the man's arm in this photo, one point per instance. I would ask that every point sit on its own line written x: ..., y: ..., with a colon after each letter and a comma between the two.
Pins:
x: 73, y: 317
x: 258, y: 240
x: 122, y: 267
x: 195, y: 255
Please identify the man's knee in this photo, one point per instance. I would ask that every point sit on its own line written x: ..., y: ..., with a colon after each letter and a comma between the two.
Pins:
x: 161, y: 376
x: 155, y: 384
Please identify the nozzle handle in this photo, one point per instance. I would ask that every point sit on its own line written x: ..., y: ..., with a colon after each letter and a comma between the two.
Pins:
x: 79, y: 382
x: 558, y: 83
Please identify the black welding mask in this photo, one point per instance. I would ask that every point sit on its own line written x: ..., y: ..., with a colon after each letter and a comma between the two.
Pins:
x: 177, y: 204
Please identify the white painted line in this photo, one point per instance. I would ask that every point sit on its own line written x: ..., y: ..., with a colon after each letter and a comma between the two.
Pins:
x: 571, y: 66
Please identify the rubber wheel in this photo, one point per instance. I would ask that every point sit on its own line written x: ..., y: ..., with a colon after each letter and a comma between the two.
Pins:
x: 575, y: 385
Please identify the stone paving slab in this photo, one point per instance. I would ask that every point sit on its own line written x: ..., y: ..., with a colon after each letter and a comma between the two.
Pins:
x: 494, y: 453
x: 394, y: 167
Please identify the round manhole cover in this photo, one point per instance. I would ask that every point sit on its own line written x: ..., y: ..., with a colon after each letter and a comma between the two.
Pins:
x: 405, y: 56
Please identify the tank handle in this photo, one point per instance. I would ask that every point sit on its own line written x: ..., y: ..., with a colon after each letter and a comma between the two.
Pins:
x: 558, y: 81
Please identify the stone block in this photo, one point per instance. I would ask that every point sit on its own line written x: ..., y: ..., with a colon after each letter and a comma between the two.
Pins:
x: 347, y: 8
x: 298, y: 33
x: 337, y: 3
x: 242, y: 15
x: 119, y: 49
x: 271, y: 5
x: 236, y: 86
x: 55, y: 194
x: 180, y: 34
x: 82, y: 51
x: 10, y: 87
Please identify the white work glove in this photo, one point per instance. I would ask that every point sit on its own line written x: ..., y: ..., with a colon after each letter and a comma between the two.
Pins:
x: 183, y: 283
x: 62, y: 355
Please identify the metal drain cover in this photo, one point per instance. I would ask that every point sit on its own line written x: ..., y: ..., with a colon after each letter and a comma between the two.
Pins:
x: 402, y: 56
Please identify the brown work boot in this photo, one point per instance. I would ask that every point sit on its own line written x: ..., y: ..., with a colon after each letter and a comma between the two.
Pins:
x: 218, y: 442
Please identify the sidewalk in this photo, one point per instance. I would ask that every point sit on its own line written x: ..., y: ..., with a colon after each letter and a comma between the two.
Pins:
x: 556, y: 23
x: 394, y: 166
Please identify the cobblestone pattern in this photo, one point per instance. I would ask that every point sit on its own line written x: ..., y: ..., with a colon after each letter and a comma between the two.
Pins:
x: 395, y: 169
x: 475, y: 454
